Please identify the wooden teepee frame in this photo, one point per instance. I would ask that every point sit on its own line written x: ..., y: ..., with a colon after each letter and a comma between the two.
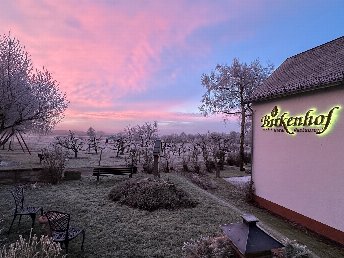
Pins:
x: 19, y: 137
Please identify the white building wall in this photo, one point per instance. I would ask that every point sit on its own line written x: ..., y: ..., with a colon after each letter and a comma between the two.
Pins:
x: 305, y: 172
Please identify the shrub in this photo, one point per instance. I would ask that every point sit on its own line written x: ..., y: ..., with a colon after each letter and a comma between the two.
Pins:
x: 72, y: 175
x: 250, y: 192
x: 151, y: 194
x: 295, y: 250
x: 44, y: 247
x: 216, y: 246
x: 196, y: 168
x: 148, y: 165
x: 53, y: 164
x: 233, y: 159
x: 185, y: 167
x: 210, y: 165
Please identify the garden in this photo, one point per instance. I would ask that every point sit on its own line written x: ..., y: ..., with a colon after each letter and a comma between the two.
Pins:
x: 123, y: 220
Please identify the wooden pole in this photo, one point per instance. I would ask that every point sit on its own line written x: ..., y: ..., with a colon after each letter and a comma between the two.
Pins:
x: 24, y: 143
x: 156, y: 166
x: 20, y: 143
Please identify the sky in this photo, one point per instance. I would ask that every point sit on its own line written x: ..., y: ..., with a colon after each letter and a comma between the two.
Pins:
x: 127, y: 62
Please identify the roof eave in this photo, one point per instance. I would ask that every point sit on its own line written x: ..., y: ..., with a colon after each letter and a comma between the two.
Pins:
x: 297, y: 91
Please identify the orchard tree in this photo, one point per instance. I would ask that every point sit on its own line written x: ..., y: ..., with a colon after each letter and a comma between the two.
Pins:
x: 118, y: 143
x: 30, y: 100
x: 228, y: 88
x: 93, y: 142
x: 70, y: 142
x: 139, y: 141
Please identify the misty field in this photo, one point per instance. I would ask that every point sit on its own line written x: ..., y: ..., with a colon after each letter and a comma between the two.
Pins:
x: 114, y: 230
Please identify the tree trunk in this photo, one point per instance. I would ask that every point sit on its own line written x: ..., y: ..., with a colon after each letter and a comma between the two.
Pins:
x: 156, y: 166
x: 100, y: 157
x: 217, y: 171
x: 242, y: 139
x: 242, y: 133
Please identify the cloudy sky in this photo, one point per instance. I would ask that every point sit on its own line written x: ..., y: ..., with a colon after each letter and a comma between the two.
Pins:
x: 126, y: 62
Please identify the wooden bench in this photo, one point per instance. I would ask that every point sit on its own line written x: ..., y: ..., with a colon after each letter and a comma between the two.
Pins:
x: 103, y: 171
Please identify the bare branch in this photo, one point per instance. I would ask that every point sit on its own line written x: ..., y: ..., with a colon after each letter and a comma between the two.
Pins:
x: 227, y: 88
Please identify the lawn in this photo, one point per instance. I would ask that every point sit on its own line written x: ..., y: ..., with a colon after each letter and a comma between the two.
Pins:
x: 113, y: 230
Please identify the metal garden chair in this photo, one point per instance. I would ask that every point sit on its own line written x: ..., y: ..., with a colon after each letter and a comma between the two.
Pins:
x: 20, y: 209
x: 61, y: 231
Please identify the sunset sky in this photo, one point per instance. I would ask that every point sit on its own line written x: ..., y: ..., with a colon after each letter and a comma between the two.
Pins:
x: 126, y: 62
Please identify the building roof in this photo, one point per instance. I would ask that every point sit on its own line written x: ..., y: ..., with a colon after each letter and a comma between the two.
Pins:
x: 319, y: 67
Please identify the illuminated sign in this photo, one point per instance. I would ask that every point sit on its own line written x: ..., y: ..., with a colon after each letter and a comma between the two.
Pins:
x: 311, y: 121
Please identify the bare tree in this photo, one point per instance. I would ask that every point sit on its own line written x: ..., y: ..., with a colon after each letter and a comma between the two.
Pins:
x: 30, y: 98
x: 118, y: 142
x: 93, y: 142
x: 227, y: 90
x: 70, y: 143
x: 139, y: 141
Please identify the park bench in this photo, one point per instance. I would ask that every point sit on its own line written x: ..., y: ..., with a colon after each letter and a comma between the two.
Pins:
x: 104, y: 171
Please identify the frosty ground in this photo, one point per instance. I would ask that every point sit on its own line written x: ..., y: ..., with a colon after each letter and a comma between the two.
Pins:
x: 113, y: 230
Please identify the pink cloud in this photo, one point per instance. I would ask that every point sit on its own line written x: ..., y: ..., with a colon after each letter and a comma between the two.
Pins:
x: 92, y: 42
x: 100, y: 52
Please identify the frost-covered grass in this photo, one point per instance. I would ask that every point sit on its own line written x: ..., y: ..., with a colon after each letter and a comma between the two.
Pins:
x: 113, y: 230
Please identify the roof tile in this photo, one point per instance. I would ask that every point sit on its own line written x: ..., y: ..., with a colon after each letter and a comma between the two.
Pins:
x: 322, y: 66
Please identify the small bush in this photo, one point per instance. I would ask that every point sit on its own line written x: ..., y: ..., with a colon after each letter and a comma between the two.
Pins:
x: 210, y: 165
x: 148, y: 165
x: 208, y: 247
x: 53, y: 164
x: 295, y: 250
x: 233, y: 159
x: 196, y: 168
x: 44, y: 247
x: 250, y: 192
x: 185, y: 167
x: 151, y: 194
x: 72, y: 175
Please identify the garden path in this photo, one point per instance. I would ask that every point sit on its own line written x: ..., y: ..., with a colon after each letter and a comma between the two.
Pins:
x: 240, y: 212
